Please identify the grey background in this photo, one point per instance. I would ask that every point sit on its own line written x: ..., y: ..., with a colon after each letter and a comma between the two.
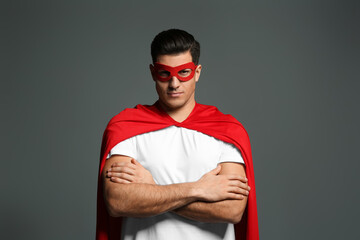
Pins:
x: 288, y: 70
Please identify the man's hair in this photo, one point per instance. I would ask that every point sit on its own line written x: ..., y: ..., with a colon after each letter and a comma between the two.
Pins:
x: 175, y: 41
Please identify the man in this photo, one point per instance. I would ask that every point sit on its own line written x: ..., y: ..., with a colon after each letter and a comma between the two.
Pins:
x: 175, y: 169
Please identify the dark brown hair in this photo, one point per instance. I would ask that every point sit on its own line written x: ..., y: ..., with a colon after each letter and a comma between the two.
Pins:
x: 175, y: 41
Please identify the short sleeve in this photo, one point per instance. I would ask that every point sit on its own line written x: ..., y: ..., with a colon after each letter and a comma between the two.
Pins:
x: 126, y: 148
x: 230, y: 153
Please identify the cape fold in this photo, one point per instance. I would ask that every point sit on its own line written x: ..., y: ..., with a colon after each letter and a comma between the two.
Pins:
x: 205, y: 119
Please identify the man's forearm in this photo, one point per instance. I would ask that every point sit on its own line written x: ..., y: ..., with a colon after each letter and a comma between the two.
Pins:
x: 142, y: 200
x: 138, y: 199
x: 229, y: 211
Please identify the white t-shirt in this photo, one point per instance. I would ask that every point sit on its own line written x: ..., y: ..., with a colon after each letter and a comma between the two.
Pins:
x: 176, y: 155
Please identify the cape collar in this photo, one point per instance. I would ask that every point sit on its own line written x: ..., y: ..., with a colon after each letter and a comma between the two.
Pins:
x: 164, y: 114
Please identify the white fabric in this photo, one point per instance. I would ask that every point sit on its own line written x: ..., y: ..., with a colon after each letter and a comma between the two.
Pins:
x: 176, y: 155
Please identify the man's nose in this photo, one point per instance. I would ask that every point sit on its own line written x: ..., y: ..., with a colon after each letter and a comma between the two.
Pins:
x: 174, y: 82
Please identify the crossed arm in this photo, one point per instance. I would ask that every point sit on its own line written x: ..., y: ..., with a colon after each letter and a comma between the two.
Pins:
x: 218, y: 196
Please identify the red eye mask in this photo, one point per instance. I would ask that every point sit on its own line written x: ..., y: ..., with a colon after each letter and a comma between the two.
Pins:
x: 183, y: 72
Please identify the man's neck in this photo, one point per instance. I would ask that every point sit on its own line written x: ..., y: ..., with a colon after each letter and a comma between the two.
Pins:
x: 179, y: 114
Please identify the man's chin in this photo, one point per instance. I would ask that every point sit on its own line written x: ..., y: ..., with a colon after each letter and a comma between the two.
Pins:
x: 173, y: 104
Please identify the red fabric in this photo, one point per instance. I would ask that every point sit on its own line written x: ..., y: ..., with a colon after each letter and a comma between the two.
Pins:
x: 174, y: 71
x: 206, y: 119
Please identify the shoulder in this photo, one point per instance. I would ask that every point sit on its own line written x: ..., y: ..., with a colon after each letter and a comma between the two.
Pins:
x: 226, y: 122
x: 214, y: 112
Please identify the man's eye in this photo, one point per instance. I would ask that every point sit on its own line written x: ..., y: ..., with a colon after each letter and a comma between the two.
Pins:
x: 185, y: 72
x: 164, y: 74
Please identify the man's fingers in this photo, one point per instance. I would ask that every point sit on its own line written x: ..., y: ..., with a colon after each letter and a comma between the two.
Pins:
x: 123, y: 164
x: 119, y: 180
x: 124, y: 176
x: 237, y: 177
x: 122, y: 170
x: 238, y: 191
x: 235, y: 196
x: 237, y: 183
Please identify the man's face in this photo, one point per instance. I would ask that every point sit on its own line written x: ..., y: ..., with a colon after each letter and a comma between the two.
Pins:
x: 175, y: 94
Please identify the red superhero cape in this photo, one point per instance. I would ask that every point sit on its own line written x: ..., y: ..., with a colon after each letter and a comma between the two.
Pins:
x: 206, y: 119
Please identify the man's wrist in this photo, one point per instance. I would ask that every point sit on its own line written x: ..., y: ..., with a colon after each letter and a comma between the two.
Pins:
x: 195, y: 191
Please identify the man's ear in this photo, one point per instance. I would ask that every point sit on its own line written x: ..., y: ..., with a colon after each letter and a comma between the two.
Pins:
x: 152, y: 71
x: 197, y: 72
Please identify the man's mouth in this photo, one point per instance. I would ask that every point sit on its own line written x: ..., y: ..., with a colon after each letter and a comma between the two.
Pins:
x: 174, y: 94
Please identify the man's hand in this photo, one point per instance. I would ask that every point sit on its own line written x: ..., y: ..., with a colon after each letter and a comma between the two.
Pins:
x: 129, y: 172
x: 213, y: 187
x: 221, y: 211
